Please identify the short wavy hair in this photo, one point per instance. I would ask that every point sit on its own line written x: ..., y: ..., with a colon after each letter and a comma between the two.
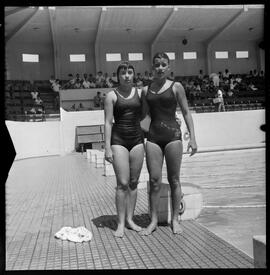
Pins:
x: 161, y: 55
x: 124, y: 65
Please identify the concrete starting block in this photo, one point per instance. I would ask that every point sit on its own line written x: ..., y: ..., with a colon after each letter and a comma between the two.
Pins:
x: 259, y: 251
x: 192, y: 198
x: 99, y: 159
x: 88, y: 154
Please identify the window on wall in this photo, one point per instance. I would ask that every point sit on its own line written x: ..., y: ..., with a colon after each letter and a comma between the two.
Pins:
x: 189, y: 55
x: 171, y: 55
x: 221, y: 55
x: 30, y: 57
x: 113, y: 57
x: 241, y: 54
x: 77, y: 57
x: 135, y: 56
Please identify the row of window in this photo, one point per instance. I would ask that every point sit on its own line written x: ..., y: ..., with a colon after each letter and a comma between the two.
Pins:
x: 136, y: 56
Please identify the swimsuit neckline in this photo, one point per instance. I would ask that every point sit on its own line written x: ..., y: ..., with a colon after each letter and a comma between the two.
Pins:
x: 152, y: 92
x: 129, y: 96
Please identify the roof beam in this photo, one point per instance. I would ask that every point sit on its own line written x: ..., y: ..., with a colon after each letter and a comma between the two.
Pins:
x: 162, y: 29
x: 56, y: 50
x: 224, y: 27
x: 9, y: 12
x: 97, y: 40
x: 21, y: 26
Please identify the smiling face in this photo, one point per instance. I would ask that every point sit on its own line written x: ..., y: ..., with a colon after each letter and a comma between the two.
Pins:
x: 161, y: 67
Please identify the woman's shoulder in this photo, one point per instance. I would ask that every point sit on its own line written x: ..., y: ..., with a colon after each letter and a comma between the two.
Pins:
x: 177, y: 86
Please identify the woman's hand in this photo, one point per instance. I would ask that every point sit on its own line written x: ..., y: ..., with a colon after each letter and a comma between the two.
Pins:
x: 193, y: 146
x: 109, y: 155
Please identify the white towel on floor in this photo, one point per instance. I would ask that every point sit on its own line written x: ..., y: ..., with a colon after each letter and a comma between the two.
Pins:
x: 78, y: 234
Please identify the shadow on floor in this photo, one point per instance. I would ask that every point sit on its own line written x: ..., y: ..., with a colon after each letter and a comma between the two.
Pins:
x: 110, y: 221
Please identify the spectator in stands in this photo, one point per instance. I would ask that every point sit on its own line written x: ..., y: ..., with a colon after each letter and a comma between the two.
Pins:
x: 226, y: 74
x: 108, y: 81
x: 39, y: 105
x: 34, y: 93
x: 150, y: 76
x: 262, y: 74
x: 92, y: 83
x: 52, y: 80
x: 85, y: 77
x: 171, y: 77
x: 250, y: 75
x: 114, y: 79
x: 56, y: 88
x: 102, y: 102
x: 86, y: 84
x: 138, y: 78
x: 255, y: 73
x: 100, y: 80
x: 215, y: 78
x: 124, y: 144
x: 78, y: 79
x: 77, y: 84
x: 164, y: 139
x: 70, y: 83
x: 200, y: 75
x: 219, y: 101
x: 146, y: 78
x: 91, y: 78
x: 238, y: 78
x: 97, y: 100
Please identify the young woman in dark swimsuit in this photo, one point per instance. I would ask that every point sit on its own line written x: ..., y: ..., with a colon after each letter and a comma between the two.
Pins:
x: 164, y: 139
x: 124, y: 143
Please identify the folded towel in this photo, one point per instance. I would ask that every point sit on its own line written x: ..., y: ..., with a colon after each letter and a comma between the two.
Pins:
x: 78, y: 235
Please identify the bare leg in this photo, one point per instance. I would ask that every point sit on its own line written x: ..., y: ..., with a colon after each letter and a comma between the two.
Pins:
x: 154, y: 159
x: 136, y: 158
x: 121, y: 169
x: 173, y: 156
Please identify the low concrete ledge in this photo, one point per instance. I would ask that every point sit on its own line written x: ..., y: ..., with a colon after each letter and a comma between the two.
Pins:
x: 192, y: 197
x: 259, y: 251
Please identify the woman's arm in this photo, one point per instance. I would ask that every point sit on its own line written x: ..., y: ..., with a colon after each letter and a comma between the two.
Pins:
x: 182, y: 101
x: 145, y: 108
x: 108, y: 116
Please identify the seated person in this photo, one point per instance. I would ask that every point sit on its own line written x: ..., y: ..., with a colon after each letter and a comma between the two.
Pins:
x: 114, y: 79
x: 86, y: 84
x: 150, y: 76
x: 39, y: 105
x: 52, y: 79
x: 70, y: 83
x: 100, y: 80
x: 77, y: 84
x: 97, y: 100
x: 34, y: 94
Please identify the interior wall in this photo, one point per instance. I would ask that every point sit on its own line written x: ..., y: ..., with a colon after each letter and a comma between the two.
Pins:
x: 180, y: 66
x: 67, y: 67
x: 243, y: 65
x: 19, y: 70
x: 124, y: 49
x: 213, y: 130
x: 45, y: 68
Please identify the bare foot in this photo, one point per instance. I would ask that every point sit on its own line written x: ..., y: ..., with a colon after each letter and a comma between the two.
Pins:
x: 176, y: 227
x: 147, y: 231
x: 133, y: 226
x: 119, y: 232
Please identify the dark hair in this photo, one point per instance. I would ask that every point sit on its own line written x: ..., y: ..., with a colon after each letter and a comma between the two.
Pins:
x: 124, y: 65
x: 161, y: 55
